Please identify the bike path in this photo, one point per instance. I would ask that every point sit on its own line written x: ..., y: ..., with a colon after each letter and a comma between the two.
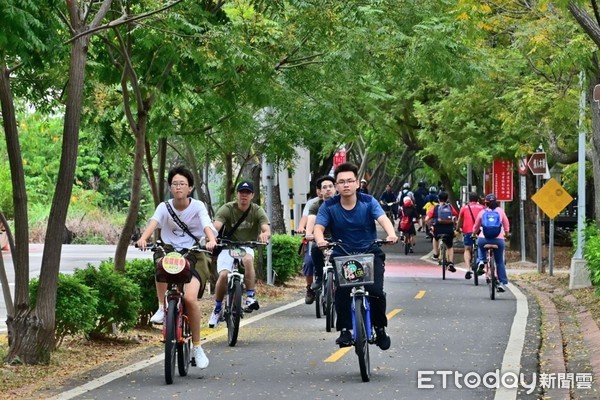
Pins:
x: 440, y: 326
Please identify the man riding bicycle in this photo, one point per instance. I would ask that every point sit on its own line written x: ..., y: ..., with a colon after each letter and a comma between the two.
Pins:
x: 250, y: 221
x: 466, y: 220
x: 194, y: 214
x: 351, y: 217
x: 388, y: 202
x: 443, y: 216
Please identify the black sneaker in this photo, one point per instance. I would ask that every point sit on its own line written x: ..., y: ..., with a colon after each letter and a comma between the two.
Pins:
x: 435, y: 257
x: 451, y: 267
x: 345, y: 339
x: 382, y: 339
x: 480, y: 268
x: 317, y: 284
x: 468, y: 275
x: 251, y: 304
x: 309, y: 298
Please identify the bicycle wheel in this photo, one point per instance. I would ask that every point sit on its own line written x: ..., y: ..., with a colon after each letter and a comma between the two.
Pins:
x: 329, y: 308
x: 493, y: 279
x: 170, y: 341
x: 184, y: 346
x: 443, y: 257
x: 318, y: 304
x: 234, y: 308
x: 361, y: 343
x: 474, y: 269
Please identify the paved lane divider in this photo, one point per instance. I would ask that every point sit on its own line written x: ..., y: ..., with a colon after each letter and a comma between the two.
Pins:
x: 420, y: 294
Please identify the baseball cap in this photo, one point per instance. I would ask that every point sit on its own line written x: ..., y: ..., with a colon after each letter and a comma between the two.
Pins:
x: 363, y: 180
x: 245, y: 185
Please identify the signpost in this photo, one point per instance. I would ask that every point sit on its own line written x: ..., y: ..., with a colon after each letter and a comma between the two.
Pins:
x: 339, y: 158
x: 537, y: 163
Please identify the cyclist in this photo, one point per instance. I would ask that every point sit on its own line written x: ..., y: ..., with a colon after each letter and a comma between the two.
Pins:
x: 491, y: 205
x: 443, y: 216
x: 388, y: 196
x: 405, y: 192
x: 363, y: 186
x: 408, y: 216
x: 466, y: 220
x: 308, y: 268
x: 431, y: 200
x: 351, y: 217
x: 326, y: 185
x: 420, y: 200
x: 194, y: 214
x: 252, y: 223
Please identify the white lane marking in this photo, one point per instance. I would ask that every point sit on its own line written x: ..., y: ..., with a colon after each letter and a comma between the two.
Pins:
x: 516, y: 341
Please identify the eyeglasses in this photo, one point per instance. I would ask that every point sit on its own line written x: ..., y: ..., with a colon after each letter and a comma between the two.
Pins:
x: 347, y: 182
x: 178, y: 184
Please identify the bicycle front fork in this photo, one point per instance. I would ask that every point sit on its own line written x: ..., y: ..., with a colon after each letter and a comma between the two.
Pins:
x: 367, y: 317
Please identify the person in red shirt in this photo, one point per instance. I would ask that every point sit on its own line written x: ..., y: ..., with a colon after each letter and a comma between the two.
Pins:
x: 466, y: 219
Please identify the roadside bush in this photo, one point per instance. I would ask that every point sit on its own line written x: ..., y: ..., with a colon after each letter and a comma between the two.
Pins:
x: 141, y: 272
x: 287, y: 263
x: 6, y: 200
x: 119, y: 297
x: 76, y: 306
x: 592, y: 254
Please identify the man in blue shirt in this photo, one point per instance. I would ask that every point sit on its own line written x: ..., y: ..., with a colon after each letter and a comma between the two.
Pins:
x: 351, y: 217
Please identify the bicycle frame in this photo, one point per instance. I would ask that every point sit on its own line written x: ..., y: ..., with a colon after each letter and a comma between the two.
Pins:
x: 359, y: 292
x: 491, y: 272
x: 328, y: 301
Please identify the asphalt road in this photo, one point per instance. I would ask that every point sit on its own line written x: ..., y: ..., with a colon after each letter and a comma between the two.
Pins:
x: 440, y: 331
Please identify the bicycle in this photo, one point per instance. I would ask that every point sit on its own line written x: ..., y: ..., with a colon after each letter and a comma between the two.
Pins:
x: 356, y: 271
x: 389, y: 213
x: 233, y: 310
x: 473, y: 265
x: 490, y: 269
x: 327, y: 297
x: 443, y: 257
x: 174, y: 269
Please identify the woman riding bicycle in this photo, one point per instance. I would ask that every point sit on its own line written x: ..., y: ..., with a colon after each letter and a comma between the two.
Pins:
x: 493, y: 215
x: 193, y: 213
x: 408, y: 216
x: 351, y: 217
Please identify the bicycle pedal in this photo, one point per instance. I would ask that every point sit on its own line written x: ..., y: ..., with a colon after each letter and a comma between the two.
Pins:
x: 193, y: 362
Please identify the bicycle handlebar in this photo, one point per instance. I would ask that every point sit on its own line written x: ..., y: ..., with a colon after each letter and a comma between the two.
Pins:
x: 374, y: 243
x: 159, y: 245
x: 226, y: 243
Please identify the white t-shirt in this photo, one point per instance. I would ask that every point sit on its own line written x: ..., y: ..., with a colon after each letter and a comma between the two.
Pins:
x: 195, y: 216
x: 308, y: 204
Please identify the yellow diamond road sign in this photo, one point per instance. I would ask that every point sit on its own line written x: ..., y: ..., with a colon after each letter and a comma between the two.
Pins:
x: 552, y: 198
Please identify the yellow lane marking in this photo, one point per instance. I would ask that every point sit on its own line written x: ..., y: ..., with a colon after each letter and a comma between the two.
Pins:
x: 338, y: 354
x: 420, y: 294
x: 341, y: 352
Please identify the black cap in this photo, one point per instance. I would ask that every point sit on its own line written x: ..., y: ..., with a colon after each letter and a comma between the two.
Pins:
x: 245, y: 185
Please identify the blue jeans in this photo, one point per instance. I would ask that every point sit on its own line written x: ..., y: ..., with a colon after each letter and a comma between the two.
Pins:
x: 498, y: 256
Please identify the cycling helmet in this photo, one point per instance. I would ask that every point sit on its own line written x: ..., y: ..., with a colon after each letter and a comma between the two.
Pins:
x: 432, y: 189
x: 489, y: 198
x: 407, y: 202
x: 421, y: 184
x: 363, y: 181
x: 406, y: 186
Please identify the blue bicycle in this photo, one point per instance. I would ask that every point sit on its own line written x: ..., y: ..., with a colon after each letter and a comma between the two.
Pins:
x: 356, y: 271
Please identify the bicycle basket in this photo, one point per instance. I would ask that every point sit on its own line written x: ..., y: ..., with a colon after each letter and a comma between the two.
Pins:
x: 173, y: 268
x: 355, y: 270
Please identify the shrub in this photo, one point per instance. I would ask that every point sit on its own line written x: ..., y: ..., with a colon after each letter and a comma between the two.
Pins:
x: 76, y: 306
x: 141, y: 272
x: 286, y: 260
x: 592, y: 254
x: 119, y: 297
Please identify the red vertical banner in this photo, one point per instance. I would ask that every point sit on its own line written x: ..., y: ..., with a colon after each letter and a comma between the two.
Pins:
x: 339, y: 158
x: 503, y: 180
x: 488, y: 181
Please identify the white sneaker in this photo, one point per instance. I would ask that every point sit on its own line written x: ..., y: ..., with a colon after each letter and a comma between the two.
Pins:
x: 215, y: 318
x: 501, y: 288
x: 200, y: 357
x: 251, y: 304
x: 158, y: 316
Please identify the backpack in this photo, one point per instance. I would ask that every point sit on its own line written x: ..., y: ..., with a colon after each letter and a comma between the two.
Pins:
x: 405, y: 223
x: 491, y: 224
x: 444, y: 214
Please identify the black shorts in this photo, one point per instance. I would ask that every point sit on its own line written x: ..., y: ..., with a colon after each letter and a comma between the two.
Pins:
x: 448, y: 237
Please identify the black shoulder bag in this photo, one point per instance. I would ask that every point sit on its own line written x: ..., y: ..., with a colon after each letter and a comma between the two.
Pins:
x: 180, y: 222
x: 226, y: 234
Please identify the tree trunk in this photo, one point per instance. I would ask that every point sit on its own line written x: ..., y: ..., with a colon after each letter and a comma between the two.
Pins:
x: 278, y: 223
x: 20, y: 247
x: 32, y: 331
x: 136, y: 193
